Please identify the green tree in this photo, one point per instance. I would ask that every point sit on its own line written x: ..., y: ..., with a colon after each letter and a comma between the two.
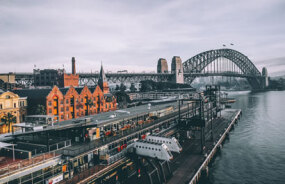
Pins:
x: 117, y: 87
x: 133, y: 88
x: 40, y: 110
x: 122, y: 87
x: 147, y: 85
x: 8, y: 119
x: 122, y: 99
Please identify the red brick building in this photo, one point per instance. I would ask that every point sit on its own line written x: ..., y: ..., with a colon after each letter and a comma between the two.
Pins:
x: 70, y: 79
x: 51, y: 77
x: 68, y: 103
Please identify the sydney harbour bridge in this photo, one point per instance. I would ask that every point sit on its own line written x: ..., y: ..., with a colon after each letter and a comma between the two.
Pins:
x: 219, y: 62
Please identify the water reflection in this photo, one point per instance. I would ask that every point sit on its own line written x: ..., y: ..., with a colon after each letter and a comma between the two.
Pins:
x: 256, y: 151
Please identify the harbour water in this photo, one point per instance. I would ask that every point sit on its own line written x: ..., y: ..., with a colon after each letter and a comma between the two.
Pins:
x: 255, y: 150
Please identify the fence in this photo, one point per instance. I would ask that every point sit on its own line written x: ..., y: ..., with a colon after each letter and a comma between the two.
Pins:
x: 60, y: 145
x: 77, y: 178
x: 20, y: 165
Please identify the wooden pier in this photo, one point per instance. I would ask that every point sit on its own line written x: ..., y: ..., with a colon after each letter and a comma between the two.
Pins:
x: 190, y: 164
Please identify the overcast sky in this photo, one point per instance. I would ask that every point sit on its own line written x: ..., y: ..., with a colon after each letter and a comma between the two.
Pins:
x: 133, y: 34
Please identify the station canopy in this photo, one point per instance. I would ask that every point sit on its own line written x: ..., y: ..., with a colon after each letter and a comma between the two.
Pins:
x: 23, y: 125
x: 4, y: 144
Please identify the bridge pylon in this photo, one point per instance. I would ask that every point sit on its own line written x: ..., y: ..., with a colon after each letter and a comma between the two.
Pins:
x: 162, y: 66
x: 177, y: 69
x: 265, y: 82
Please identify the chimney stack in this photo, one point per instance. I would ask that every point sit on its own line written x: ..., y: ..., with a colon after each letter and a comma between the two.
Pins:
x: 73, y: 65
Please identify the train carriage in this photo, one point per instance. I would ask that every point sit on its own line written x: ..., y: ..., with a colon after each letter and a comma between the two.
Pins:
x: 171, y: 143
x: 154, y: 150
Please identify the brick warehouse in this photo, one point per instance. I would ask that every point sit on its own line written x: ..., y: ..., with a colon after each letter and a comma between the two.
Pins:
x: 58, y: 77
x: 72, y: 102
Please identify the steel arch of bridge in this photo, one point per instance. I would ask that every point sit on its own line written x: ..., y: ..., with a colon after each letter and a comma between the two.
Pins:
x: 197, y: 63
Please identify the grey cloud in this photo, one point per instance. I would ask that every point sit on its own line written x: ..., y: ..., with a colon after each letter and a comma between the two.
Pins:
x: 134, y: 34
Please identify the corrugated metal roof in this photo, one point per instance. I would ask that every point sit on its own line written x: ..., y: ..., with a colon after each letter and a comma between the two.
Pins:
x: 4, y: 144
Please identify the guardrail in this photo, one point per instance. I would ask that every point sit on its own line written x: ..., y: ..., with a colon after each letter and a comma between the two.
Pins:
x: 60, y: 145
x: 20, y: 165
x: 114, y: 158
x: 197, y: 175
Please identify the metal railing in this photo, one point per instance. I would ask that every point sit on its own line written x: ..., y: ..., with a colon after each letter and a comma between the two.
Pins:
x: 114, y: 158
x: 92, y: 173
x: 20, y: 165
x: 60, y: 145
x: 197, y: 175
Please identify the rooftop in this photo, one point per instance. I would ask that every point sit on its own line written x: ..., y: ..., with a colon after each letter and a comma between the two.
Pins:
x: 103, y: 118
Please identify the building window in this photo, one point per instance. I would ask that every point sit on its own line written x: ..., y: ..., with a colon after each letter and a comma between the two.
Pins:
x: 1, y: 106
x: 67, y: 101
x: 61, y: 101
x: 61, y: 116
x: 72, y: 101
x: 67, y: 108
x: 15, y: 105
x: 49, y: 111
x: 49, y: 103
x: 62, y: 109
x: 81, y: 99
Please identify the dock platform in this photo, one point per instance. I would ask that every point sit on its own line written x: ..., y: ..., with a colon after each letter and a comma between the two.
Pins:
x: 188, y: 166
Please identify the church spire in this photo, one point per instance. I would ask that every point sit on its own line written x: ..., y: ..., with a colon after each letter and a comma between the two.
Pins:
x: 102, y: 81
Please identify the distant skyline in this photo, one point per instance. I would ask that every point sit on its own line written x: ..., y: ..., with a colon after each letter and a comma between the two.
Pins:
x: 133, y: 35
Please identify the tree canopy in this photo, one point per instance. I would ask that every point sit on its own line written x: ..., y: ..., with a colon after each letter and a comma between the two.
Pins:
x: 8, y: 119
